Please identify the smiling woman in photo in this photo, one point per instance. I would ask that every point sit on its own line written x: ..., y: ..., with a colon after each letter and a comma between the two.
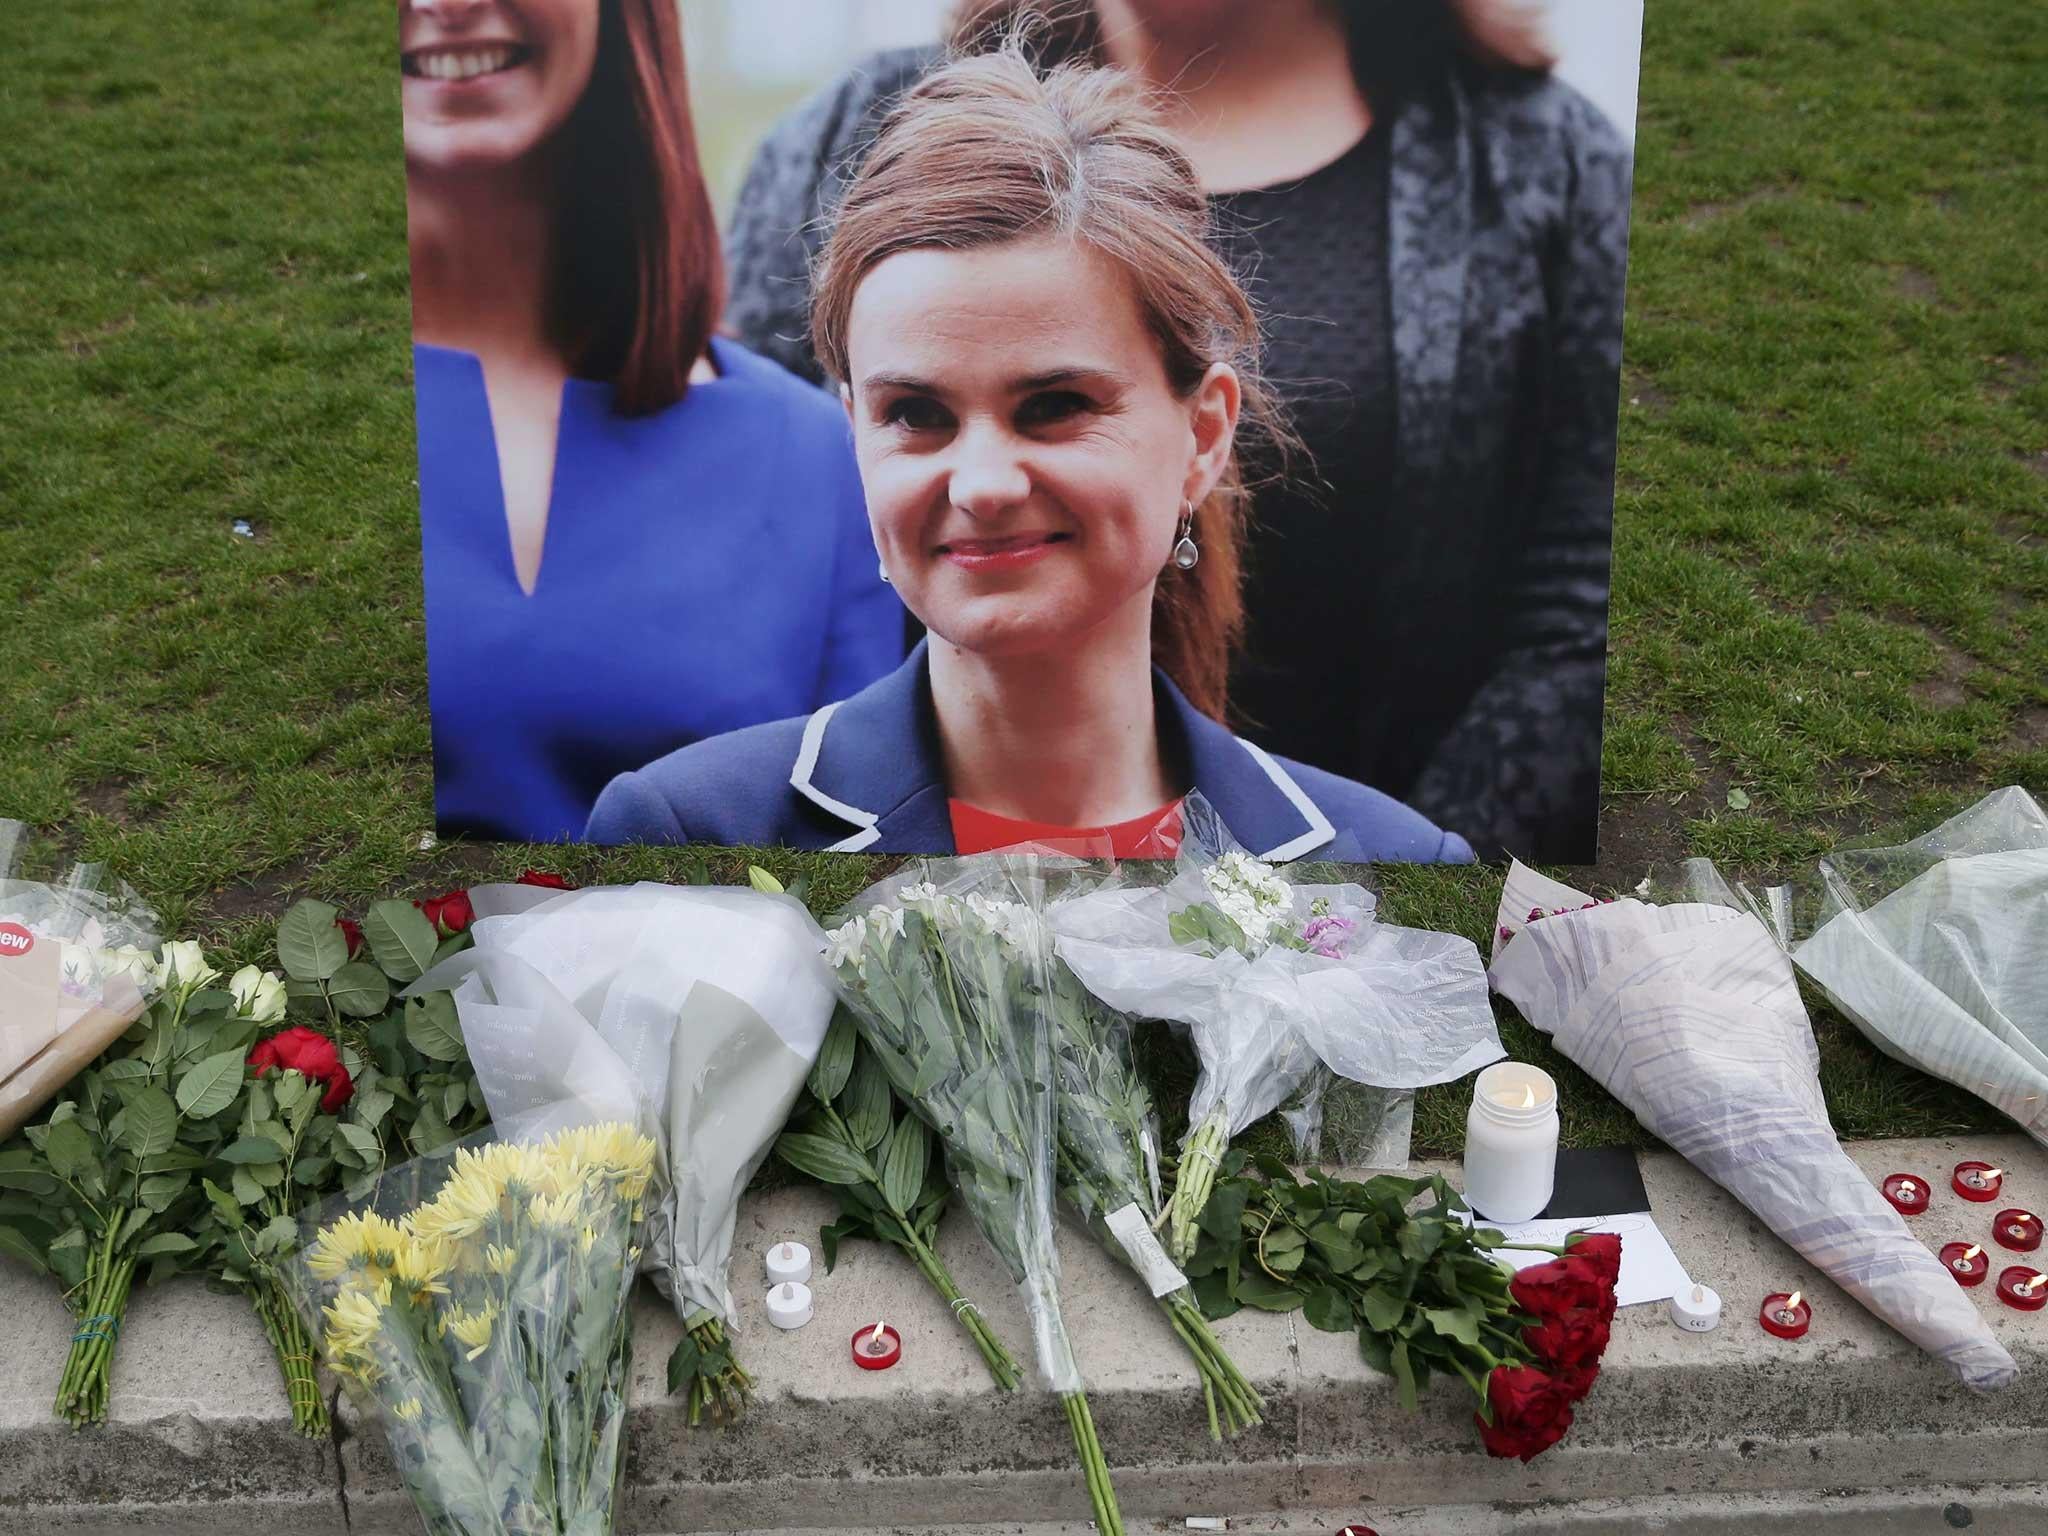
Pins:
x: 636, y: 534
x: 1048, y: 371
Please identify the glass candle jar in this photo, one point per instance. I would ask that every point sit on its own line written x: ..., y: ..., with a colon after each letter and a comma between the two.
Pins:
x: 1511, y: 1142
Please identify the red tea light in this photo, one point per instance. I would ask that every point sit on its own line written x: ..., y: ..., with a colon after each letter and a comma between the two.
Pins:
x: 877, y: 1348
x: 1908, y: 1195
x: 2017, y: 1229
x: 1977, y: 1181
x: 1787, y: 1317
x: 2024, y: 1288
x: 1967, y: 1262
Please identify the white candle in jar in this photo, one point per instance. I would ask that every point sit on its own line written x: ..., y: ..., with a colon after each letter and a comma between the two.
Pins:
x: 1511, y: 1142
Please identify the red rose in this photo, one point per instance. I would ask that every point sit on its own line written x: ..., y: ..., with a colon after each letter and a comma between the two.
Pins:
x: 1570, y: 1339
x: 1575, y: 1381
x: 1560, y: 1286
x: 542, y: 877
x: 450, y: 912
x: 1530, y: 1413
x: 1602, y: 1250
x: 354, y: 931
x: 312, y: 1055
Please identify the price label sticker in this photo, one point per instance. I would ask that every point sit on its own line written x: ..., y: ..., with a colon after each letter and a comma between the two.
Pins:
x: 1141, y: 1245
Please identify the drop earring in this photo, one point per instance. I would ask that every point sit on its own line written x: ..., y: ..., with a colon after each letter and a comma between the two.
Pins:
x: 1187, y: 552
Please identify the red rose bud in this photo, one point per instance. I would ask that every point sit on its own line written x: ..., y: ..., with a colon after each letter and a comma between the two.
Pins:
x: 1570, y: 1339
x: 1558, y: 1287
x: 542, y: 877
x: 1602, y: 1250
x: 310, y: 1054
x: 1530, y: 1413
x: 450, y: 912
x: 354, y: 932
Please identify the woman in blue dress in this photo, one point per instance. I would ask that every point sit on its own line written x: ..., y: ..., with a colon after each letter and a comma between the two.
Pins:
x: 1049, y: 372
x: 635, y: 534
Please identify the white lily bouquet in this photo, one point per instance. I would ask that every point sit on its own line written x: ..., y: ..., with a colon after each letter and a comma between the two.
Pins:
x: 1281, y: 985
x: 78, y: 964
x: 482, y: 1308
x: 696, y: 1010
x: 945, y: 975
x: 1688, y: 1012
x: 1938, y: 950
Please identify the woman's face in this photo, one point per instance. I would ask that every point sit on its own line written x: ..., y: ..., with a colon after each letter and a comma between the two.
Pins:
x: 489, y: 81
x: 1024, y: 458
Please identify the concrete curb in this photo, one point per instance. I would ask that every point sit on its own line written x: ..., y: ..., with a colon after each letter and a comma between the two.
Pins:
x: 200, y: 1439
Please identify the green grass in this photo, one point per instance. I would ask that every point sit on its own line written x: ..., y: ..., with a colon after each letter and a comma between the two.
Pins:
x: 1832, y: 522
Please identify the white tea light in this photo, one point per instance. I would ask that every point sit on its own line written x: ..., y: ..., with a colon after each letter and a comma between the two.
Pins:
x: 789, y: 1262
x: 1511, y: 1142
x: 1697, y: 1309
x: 789, y: 1304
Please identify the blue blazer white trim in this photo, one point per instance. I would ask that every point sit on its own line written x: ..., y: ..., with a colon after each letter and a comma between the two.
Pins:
x: 865, y: 773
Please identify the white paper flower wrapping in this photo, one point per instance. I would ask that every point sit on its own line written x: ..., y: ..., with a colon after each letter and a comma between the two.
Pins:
x: 1690, y: 1015
x: 692, y: 1011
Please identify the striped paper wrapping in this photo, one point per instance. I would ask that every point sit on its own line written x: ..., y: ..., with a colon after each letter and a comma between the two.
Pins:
x: 1690, y: 1015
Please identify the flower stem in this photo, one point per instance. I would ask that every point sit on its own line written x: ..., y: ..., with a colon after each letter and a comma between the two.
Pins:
x: 1222, y: 1381
x: 1199, y: 1157
x: 294, y: 1351
x: 1109, y: 1521
x: 82, y: 1391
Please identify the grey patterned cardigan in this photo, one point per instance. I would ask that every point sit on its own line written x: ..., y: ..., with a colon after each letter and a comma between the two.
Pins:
x: 1508, y: 241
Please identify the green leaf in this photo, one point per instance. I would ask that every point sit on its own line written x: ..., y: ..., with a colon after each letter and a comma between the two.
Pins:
x: 1738, y: 800
x: 359, y: 990
x: 160, y: 1189
x: 1459, y: 1325
x: 309, y: 946
x: 1326, y: 1308
x: 210, y: 1087
x: 835, y: 1058
x: 828, y: 1161
x: 1267, y: 1294
x: 904, y: 1160
x: 401, y: 939
x: 164, y: 1242
x: 225, y: 1205
x: 69, y: 1149
x: 1383, y: 1310
x: 1212, y: 1295
x: 152, y: 1124
x: 360, y: 1138
x: 246, y: 1189
x: 1223, y: 1217
x: 454, y: 1099
x: 867, y: 1102
x: 372, y: 1106
x: 252, y: 1150
x: 13, y: 1242
x: 762, y: 881
x: 433, y: 1029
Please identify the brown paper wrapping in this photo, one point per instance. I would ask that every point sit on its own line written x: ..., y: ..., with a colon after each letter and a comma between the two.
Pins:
x: 44, y: 1075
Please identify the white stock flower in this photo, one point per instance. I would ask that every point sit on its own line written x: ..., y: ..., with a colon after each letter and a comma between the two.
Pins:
x: 1249, y: 894
x: 185, y: 967
x: 258, y: 995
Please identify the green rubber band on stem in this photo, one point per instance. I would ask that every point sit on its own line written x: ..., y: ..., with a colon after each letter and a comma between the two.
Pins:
x: 91, y: 1330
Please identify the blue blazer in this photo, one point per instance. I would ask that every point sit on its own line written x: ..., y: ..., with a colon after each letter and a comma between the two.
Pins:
x: 865, y: 774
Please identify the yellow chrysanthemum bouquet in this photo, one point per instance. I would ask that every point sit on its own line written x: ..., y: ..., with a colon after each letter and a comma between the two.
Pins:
x: 489, y: 1325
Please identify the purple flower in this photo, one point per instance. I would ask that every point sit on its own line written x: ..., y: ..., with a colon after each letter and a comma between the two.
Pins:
x: 1325, y: 936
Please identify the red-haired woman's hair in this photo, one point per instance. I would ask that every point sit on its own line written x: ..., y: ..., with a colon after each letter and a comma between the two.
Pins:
x: 640, y: 282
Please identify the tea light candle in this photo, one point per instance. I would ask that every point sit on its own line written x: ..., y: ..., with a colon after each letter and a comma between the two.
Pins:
x: 789, y: 1263
x: 877, y: 1348
x: 1977, y: 1181
x: 1787, y: 1317
x: 2024, y: 1288
x: 1696, y: 1310
x: 1908, y: 1195
x: 2017, y: 1229
x: 1967, y: 1262
x: 789, y: 1304
x: 1511, y: 1142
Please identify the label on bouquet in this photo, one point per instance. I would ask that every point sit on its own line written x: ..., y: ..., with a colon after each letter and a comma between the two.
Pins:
x: 1141, y: 1246
x: 29, y: 994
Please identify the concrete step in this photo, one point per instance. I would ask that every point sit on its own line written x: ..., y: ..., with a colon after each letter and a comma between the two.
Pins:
x: 199, y: 1440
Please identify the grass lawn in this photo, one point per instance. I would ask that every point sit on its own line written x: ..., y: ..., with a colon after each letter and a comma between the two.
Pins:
x: 1831, y: 593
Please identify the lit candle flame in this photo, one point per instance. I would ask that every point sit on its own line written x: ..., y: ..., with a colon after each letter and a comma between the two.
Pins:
x: 875, y: 1338
x: 1906, y: 1188
x: 1970, y: 1254
x: 2033, y: 1285
x: 1992, y: 1173
x: 1528, y: 1095
x: 1699, y: 1294
x: 1792, y: 1301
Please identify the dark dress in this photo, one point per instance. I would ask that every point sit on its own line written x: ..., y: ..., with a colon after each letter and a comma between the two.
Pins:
x: 1436, y: 622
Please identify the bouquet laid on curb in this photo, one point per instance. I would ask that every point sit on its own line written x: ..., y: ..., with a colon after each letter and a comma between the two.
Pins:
x: 1938, y: 950
x: 489, y: 1324
x: 1279, y: 985
x: 847, y: 1133
x: 77, y: 967
x: 942, y: 970
x: 697, y: 1011
x: 1392, y: 1260
x: 1690, y: 1015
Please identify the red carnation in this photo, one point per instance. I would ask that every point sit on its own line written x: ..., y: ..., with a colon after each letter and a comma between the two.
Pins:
x: 1570, y: 1339
x: 1560, y: 1286
x: 1530, y: 1413
x: 542, y: 877
x: 450, y: 912
x: 1602, y: 1250
x: 312, y: 1055
x: 354, y: 932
